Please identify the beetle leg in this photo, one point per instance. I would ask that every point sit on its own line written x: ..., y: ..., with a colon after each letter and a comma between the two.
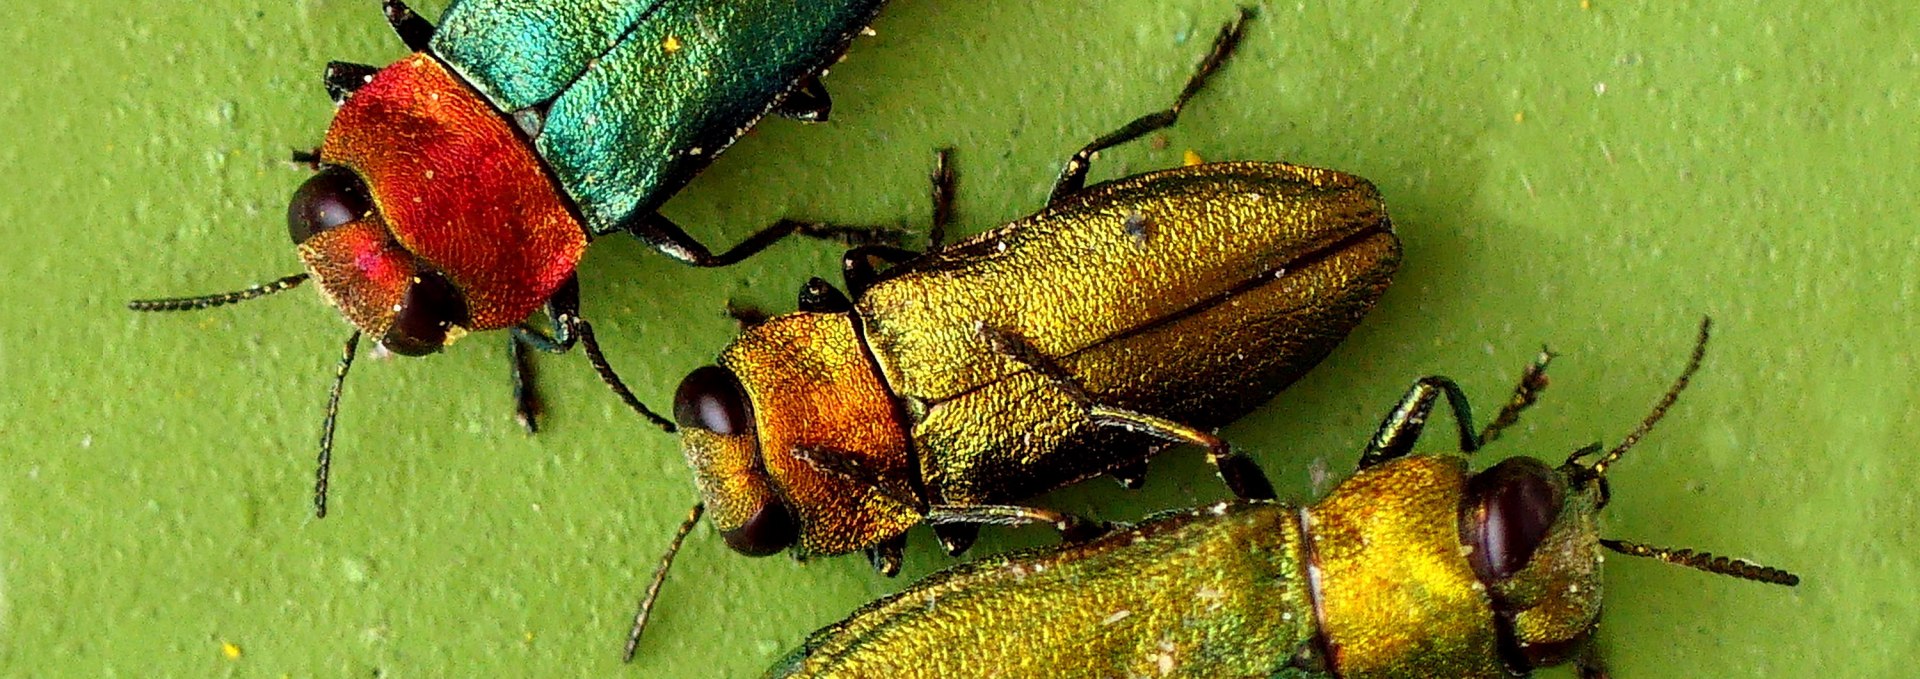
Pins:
x: 416, y: 32
x: 563, y: 308
x: 526, y: 398
x: 956, y: 537
x: 856, y: 267
x: 1589, y: 664
x: 818, y: 296
x: 1242, y: 475
x: 1532, y: 381
x: 342, y: 78
x: 1402, y: 426
x: 807, y: 102
x: 662, y: 234
x: 1073, y: 177
x: 1072, y: 528
x: 887, y: 555
x: 943, y: 181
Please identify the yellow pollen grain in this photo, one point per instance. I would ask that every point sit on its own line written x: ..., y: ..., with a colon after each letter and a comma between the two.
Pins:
x: 230, y: 650
x: 1519, y: 116
x: 672, y: 44
x: 1190, y: 158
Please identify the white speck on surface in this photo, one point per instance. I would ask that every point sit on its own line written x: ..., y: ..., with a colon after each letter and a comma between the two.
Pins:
x: 1116, y: 616
x: 1599, y: 88
x: 86, y: 441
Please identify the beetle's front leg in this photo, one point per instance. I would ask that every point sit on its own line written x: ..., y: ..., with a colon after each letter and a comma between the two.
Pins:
x: 1242, y: 475
x: 662, y: 234
x: 1402, y: 426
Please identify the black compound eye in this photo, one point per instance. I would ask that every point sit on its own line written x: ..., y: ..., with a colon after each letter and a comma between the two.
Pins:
x: 710, y: 398
x: 771, y: 530
x: 431, y: 307
x: 331, y: 197
x: 1510, y: 509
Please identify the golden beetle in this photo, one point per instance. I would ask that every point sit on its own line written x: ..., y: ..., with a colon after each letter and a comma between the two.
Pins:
x: 1174, y: 301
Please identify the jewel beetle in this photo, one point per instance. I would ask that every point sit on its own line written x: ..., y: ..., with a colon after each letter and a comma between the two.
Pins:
x: 1413, y: 567
x: 457, y: 189
x: 1122, y: 318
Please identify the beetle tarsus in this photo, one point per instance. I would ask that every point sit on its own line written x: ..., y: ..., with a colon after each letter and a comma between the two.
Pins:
x: 1532, y: 382
x: 1402, y: 426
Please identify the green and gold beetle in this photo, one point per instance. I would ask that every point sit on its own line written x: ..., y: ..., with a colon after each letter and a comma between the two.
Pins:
x: 1414, y: 567
x: 1173, y: 302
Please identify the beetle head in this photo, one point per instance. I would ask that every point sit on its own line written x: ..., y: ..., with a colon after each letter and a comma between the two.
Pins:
x: 1532, y: 535
x: 722, y: 446
x: 794, y: 440
x: 429, y: 215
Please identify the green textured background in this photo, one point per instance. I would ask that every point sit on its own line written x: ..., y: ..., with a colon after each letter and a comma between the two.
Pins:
x: 1591, y: 177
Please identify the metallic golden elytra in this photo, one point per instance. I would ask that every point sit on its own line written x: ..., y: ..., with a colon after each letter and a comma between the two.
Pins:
x: 1413, y: 567
x: 1122, y: 318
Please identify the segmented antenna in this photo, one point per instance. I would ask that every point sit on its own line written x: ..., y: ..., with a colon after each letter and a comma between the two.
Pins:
x: 1660, y: 409
x: 221, y: 299
x: 1739, y: 568
x: 660, y: 577
x: 325, y: 464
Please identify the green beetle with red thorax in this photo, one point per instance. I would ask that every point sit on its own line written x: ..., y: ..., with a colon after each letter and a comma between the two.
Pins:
x: 457, y: 189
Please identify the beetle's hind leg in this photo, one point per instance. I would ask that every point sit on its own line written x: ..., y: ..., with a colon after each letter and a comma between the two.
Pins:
x: 1073, y: 177
x: 1242, y: 475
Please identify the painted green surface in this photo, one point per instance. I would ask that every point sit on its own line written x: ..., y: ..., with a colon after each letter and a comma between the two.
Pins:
x: 1595, y: 178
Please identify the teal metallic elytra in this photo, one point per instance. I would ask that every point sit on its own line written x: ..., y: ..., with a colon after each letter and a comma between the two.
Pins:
x: 638, y: 96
